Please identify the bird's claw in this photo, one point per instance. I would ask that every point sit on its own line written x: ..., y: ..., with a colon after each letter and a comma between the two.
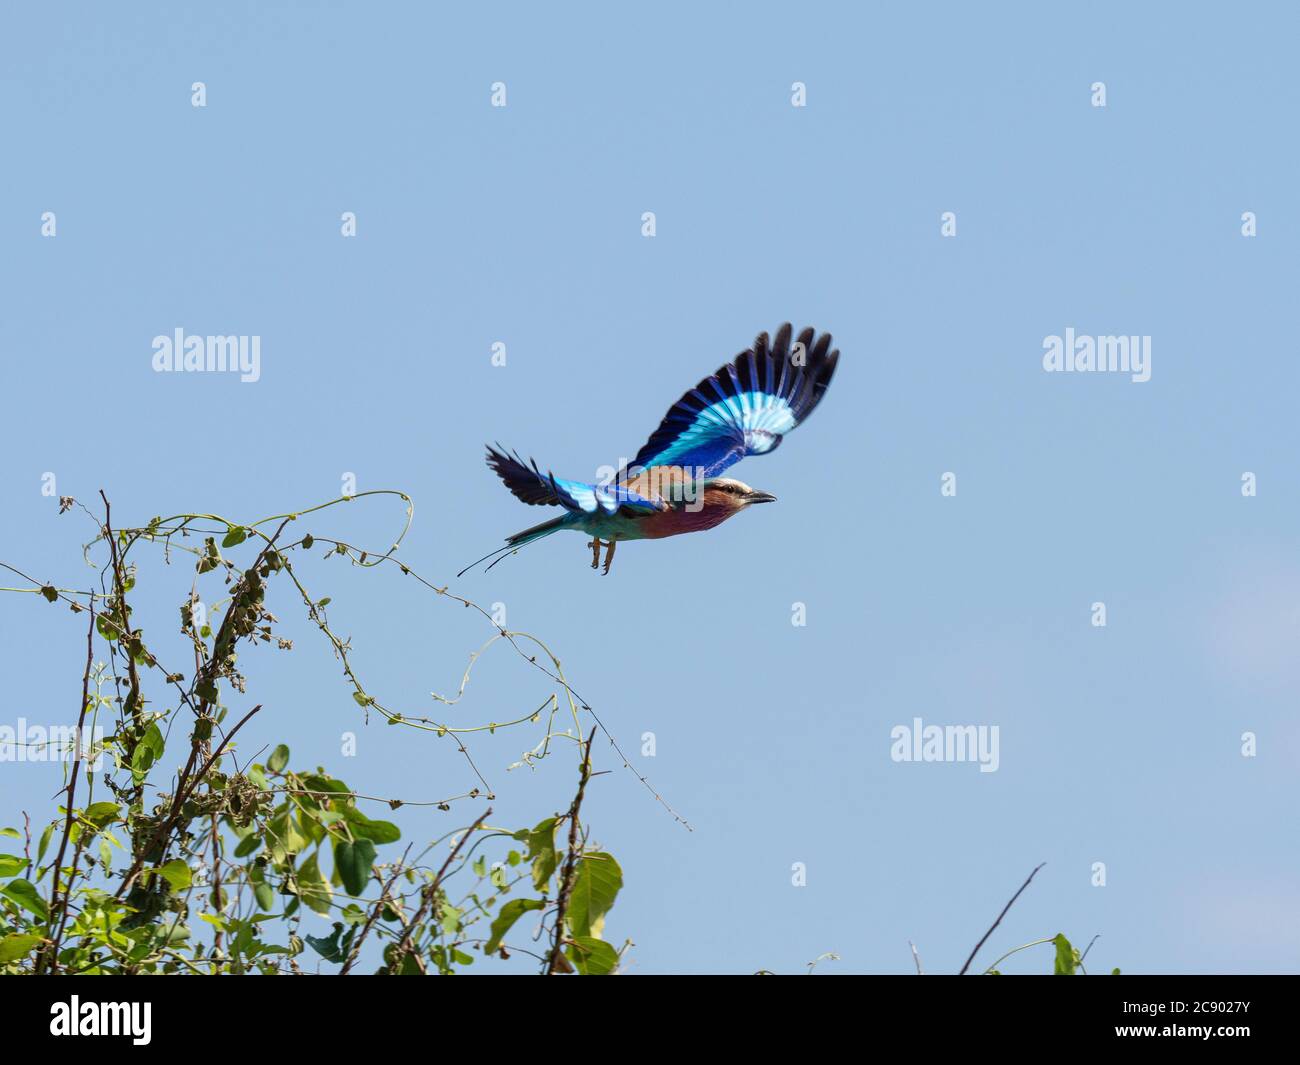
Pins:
x: 595, y: 546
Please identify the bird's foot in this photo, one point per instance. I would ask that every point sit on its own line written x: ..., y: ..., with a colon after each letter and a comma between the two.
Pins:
x: 609, y: 556
x: 595, y: 552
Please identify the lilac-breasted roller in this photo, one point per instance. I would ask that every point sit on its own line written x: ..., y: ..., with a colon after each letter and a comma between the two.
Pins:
x: 675, y: 483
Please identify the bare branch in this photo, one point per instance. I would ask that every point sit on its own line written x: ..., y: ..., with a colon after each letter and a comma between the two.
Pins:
x: 556, y: 961
x: 58, y: 909
x: 430, y: 896
x: 999, y: 920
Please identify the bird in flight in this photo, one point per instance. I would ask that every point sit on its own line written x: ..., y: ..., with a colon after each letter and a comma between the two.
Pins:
x: 676, y: 484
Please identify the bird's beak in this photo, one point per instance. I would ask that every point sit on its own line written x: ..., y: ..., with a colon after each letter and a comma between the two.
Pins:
x: 761, y: 497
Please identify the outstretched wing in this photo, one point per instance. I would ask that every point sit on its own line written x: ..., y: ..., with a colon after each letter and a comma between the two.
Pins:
x: 530, y: 485
x: 746, y: 408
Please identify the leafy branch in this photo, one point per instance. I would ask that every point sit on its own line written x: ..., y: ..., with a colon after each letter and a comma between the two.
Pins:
x: 242, y: 847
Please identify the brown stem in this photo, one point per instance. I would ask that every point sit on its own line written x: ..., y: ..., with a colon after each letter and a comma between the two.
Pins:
x: 999, y: 920
x: 217, y: 939
x: 375, y: 910
x: 555, y: 963
x: 430, y: 896
x: 196, y: 743
x: 133, y: 703
x: 58, y: 909
x: 183, y: 792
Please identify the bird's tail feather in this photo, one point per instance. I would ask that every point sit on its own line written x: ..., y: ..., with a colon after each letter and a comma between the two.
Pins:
x: 518, y: 540
x: 535, y: 532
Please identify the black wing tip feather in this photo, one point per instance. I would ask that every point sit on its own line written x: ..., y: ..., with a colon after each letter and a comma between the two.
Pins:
x: 818, y: 361
x: 766, y: 366
x: 804, y: 387
x: 525, y: 480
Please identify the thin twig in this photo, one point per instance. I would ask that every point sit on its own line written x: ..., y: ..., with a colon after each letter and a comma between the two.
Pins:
x: 999, y: 920
x: 375, y: 910
x: 196, y: 744
x: 218, y: 937
x: 133, y: 702
x: 430, y: 895
x: 556, y: 961
x: 59, y: 909
x: 1089, y: 947
x: 182, y: 793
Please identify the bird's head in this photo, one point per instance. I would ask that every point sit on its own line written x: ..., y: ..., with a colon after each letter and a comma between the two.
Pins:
x: 728, y: 496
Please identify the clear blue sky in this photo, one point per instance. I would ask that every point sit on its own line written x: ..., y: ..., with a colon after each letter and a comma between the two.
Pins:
x: 522, y: 225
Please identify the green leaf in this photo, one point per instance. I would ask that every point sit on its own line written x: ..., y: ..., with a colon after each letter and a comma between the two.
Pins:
x: 593, y: 957
x: 313, y: 889
x: 248, y: 845
x: 329, y: 947
x: 236, y: 536
x: 170, y: 936
x: 541, y: 850
x: 147, y: 751
x: 353, y: 861
x: 282, y: 830
x: 595, y: 887
x: 101, y: 814
x: 505, y: 920
x: 310, y: 827
x: 11, y: 864
x: 25, y: 894
x: 265, y: 896
x: 177, y: 874
x: 316, y: 782
x: 45, y: 842
x: 15, y: 946
x: 11, y: 832
x: 1066, y: 959
x: 375, y: 831
x: 50, y: 593
x: 279, y: 759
